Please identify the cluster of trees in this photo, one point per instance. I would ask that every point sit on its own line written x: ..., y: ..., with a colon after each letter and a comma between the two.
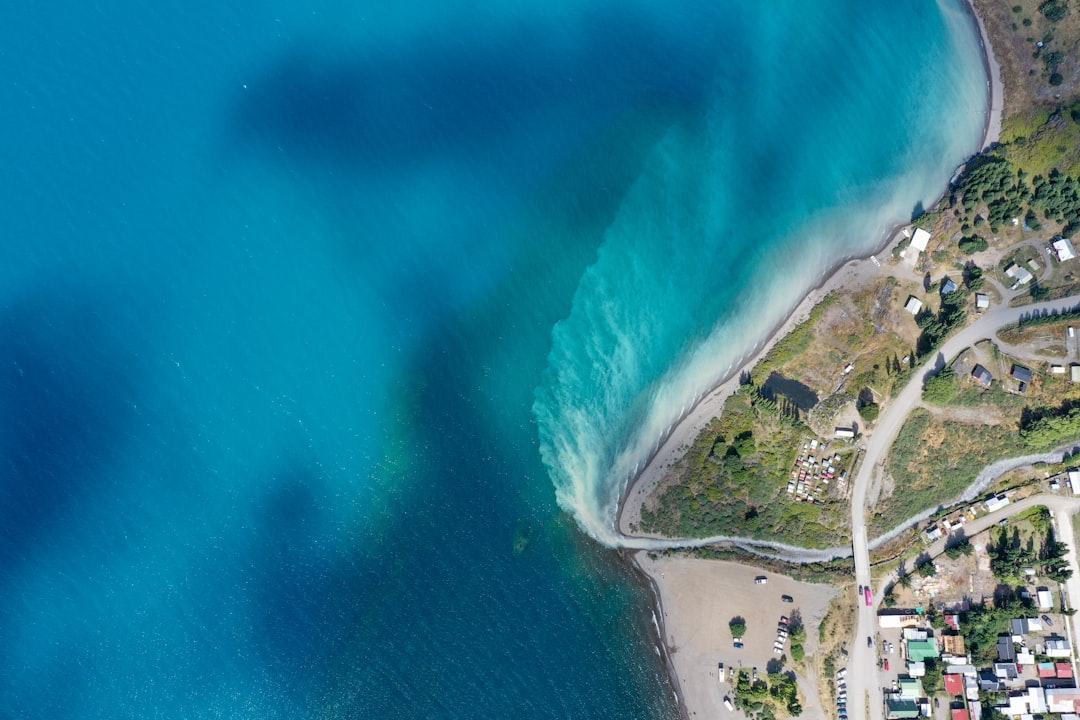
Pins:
x: 1055, y: 10
x: 1050, y: 427
x: 1009, y: 556
x: 941, y: 389
x: 982, y: 624
x: 935, y: 327
x: 992, y: 181
x: 780, y: 687
x: 1058, y: 197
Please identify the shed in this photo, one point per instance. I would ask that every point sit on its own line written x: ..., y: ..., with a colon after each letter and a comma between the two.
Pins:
x: 843, y: 432
x: 1074, y: 372
x: 920, y: 240
x: 953, y: 644
x: 982, y: 301
x: 1057, y: 369
x: 916, y: 669
x: 913, y: 305
x: 1045, y: 599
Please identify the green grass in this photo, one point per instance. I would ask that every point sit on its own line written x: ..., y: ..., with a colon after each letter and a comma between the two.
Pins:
x: 933, y: 461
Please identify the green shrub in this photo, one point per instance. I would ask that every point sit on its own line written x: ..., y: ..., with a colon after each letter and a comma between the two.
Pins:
x: 870, y: 412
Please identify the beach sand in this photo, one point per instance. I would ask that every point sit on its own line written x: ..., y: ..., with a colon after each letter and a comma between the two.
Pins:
x: 699, y: 597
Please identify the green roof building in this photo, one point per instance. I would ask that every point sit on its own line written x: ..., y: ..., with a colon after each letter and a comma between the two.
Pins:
x: 921, y: 650
x: 897, y: 709
x: 911, y: 689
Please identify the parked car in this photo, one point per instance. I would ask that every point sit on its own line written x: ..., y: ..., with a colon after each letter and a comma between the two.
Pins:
x: 869, y: 641
x: 886, y: 663
x: 787, y: 598
x: 1046, y: 619
x: 738, y: 644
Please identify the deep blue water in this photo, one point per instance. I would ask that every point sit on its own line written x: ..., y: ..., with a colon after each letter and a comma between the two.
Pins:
x: 302, y: 306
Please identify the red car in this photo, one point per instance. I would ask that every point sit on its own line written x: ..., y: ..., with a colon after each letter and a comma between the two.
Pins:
x: 886, y: 664
x: 868, y: 600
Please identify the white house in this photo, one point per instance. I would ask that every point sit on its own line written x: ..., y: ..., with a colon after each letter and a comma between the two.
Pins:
x: 1019, y: 274
x: 920, y: 240
x: 982, y: 301
x: 1064, y: 249
x: 914, y: 305
x: 1045, y: 599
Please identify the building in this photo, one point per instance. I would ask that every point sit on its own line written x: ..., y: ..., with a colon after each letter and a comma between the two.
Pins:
x: 1074, y: 481
x: 982, y: 375
x: 1044, y: 598
x: 843, y: 432
x: 959, y: 714
x: 898, y: 708
x: 1063, y: 249
x: 1058, y: 647
x: 920, y: 240
x: 953, y: 644
x: 1006, y: 650
x: 1074, y: 372
x: 897, y: 619
x: 948, y: 286
x: 1063, y: 700
x: 1046, y: 670
x: 954, y: 685
x: 911, y: 688
x: 1063, y: 670
x: 982, y: 301
x: 920, y: 650
x: 1032, y: 702
x: 1020, y: 374
x: 916, y: 669
x: 1057, y: 369
x: 1005, y: 671
x: 913, y: 305
x: 1023, y: 626
x: 996, y: 503
x: 1019, y: 274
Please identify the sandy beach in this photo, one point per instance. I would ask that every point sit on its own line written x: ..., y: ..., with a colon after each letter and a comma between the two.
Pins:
x: 699, y: 597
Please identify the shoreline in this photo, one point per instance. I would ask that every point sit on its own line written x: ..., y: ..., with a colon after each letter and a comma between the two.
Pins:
x: 686, y: 429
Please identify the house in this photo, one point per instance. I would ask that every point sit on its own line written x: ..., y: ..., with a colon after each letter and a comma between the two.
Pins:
x: 954, y: 685
x: 989, y: 682
x: 898, y: 708
x: 913, y: 305
x: 1024, y: 656
x: 1063, y: 700
x: 920, y: 240
x: 953, y: 644
x: 959, y: 714
x: 1058, y: 647
x: 1019, y: 274
x: 920, y: 650
x: 947, y: 286
x: 982, y: 301
x: 843, y: 432
x: 916, y: 669
x: 1046, y: 670
x: 982, y: 375
x: 996, y: 503
x: 911, y: 688
x: 1032, y: 702
x: 1020, y: 374
x: 1074, y: 481
x: 1006, y: 651
x: 895, y: 619
x: 975, y: 709
x: 1044, y: 598
x: 1063, y: 249
x: 1023, y: 626
x: 933, y: 532
x: 1006, y: 671
x: 1063, y: 670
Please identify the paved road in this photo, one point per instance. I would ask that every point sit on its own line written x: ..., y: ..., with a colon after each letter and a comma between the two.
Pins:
x: 862, y: 682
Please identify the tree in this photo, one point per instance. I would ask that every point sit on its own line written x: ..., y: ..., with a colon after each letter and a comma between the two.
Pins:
x: 941, y: 389
x: 870, y: 412
x: 737, y: 627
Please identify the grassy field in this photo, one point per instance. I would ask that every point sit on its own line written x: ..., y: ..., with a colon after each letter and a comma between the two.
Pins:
x: 932, y: 461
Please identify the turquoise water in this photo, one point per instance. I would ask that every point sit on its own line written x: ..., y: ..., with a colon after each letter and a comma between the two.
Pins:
x: 306, y: 306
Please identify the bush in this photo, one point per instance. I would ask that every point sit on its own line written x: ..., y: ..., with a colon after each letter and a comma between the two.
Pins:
x: 870, y: 412
x: 1056, y: 79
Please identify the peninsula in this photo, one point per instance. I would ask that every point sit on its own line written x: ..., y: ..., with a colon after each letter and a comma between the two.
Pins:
x: 898, y: 450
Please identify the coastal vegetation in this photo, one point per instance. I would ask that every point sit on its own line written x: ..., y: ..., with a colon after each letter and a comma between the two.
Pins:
x: 729, y: 483
x: 767, y: 699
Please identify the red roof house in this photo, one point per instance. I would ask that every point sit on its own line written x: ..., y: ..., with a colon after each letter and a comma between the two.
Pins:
x: 959, y: 714
x: 1064, y: 669
x: 954, y: 684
